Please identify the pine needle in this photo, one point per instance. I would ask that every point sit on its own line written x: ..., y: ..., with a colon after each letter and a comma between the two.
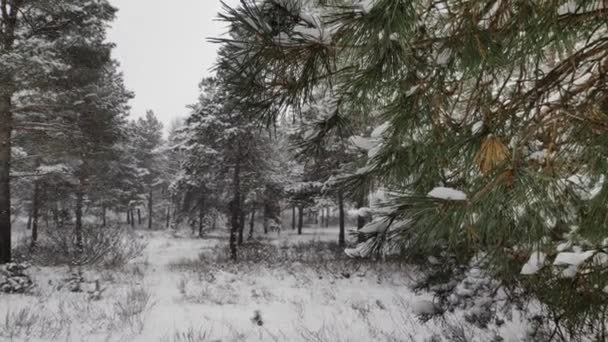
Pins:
x: 493, y: 152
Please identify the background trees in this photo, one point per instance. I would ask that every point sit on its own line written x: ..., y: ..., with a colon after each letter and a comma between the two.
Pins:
x: 228, y: 164
x: 147, y: 141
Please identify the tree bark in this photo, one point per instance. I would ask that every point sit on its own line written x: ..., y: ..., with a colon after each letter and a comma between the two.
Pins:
x: 242, y: 226
x: 251, y: 224
x: 322, y: 210
x: 132, y: 218
x: 300, y: 220
x: 265, y: 220
x: 6, y: 118
x: 235, y: 208
x: 46, y: 219
x: 29, y: 220
x: 35, y: 213
x: 201, y: 216
x: 139, y: 216
x: 150, y: 209
x: 7, y: 89
x: 103, y: 216
x: 79, y: 211
x: 341, y: 238
x: 293, y: 217
x: 360, y: 219
x: 168, y: 223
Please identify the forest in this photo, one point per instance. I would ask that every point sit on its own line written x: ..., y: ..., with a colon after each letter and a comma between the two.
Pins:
x: 352, y: 170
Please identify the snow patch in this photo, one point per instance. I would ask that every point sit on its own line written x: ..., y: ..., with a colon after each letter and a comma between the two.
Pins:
x: 363, y: 143
x: 361, y: 212
x: 376, y: 226
x: 534, y: 264
x: 572, y: 258
x: 379, y: 131
x: 447, y: 194
x: 367, y: 5
x: 563, y: 246
x: 477, y: 127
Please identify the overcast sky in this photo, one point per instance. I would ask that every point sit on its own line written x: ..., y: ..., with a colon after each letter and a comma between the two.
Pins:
x: 163, y: 51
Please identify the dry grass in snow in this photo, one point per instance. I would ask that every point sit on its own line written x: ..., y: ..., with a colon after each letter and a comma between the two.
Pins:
x: 284, y: 288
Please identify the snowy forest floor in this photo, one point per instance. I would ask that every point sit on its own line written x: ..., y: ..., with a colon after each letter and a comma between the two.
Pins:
x: 285, y: 288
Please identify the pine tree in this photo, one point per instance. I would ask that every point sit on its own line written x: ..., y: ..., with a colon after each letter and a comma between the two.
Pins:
x: 226, y: 151
x: 493, y: 139
x: 200, y: 179
x: 148, y: 140
x: 36, y: 39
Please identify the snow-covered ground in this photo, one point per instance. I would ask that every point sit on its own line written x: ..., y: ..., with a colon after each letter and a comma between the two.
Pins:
x: 173, y: 292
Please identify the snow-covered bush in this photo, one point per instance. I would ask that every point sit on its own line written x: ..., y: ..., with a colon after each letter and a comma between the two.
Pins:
x: 469, y: 289
x: 108, y: 247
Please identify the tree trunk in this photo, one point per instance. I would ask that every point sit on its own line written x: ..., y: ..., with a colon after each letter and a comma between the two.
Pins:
x: 35, y: 213
x: 300, y: 220
x: 242, y: 226
x: 6, y: 118
x: 235, y: 209
x: 79, y: 207
x: 150, y: 210
x: 139, y: 216
x: 293, y: 217
x: 175, y: 213
x: 251, y: 223
x: 201, y: 216
x: 132, y: 218
x: 29, y: 220
x: 327, y: 217
x: 168, y: 217
x: 103, y: 216
x: 360, y: 219
x: 7, y: 89
x: 322, y: 213
x: 341, y: 238
x: 265, y: 220
x: 128, y: 216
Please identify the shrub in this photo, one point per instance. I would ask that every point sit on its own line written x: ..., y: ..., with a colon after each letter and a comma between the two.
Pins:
x: 131, y: 309
x: 109, y: 247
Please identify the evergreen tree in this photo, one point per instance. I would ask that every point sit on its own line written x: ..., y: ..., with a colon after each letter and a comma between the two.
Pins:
x: 200, y: 179
x: 148, y: 141
x: 494, y: 134
x: 38, y: 39
x: 226, y: 151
